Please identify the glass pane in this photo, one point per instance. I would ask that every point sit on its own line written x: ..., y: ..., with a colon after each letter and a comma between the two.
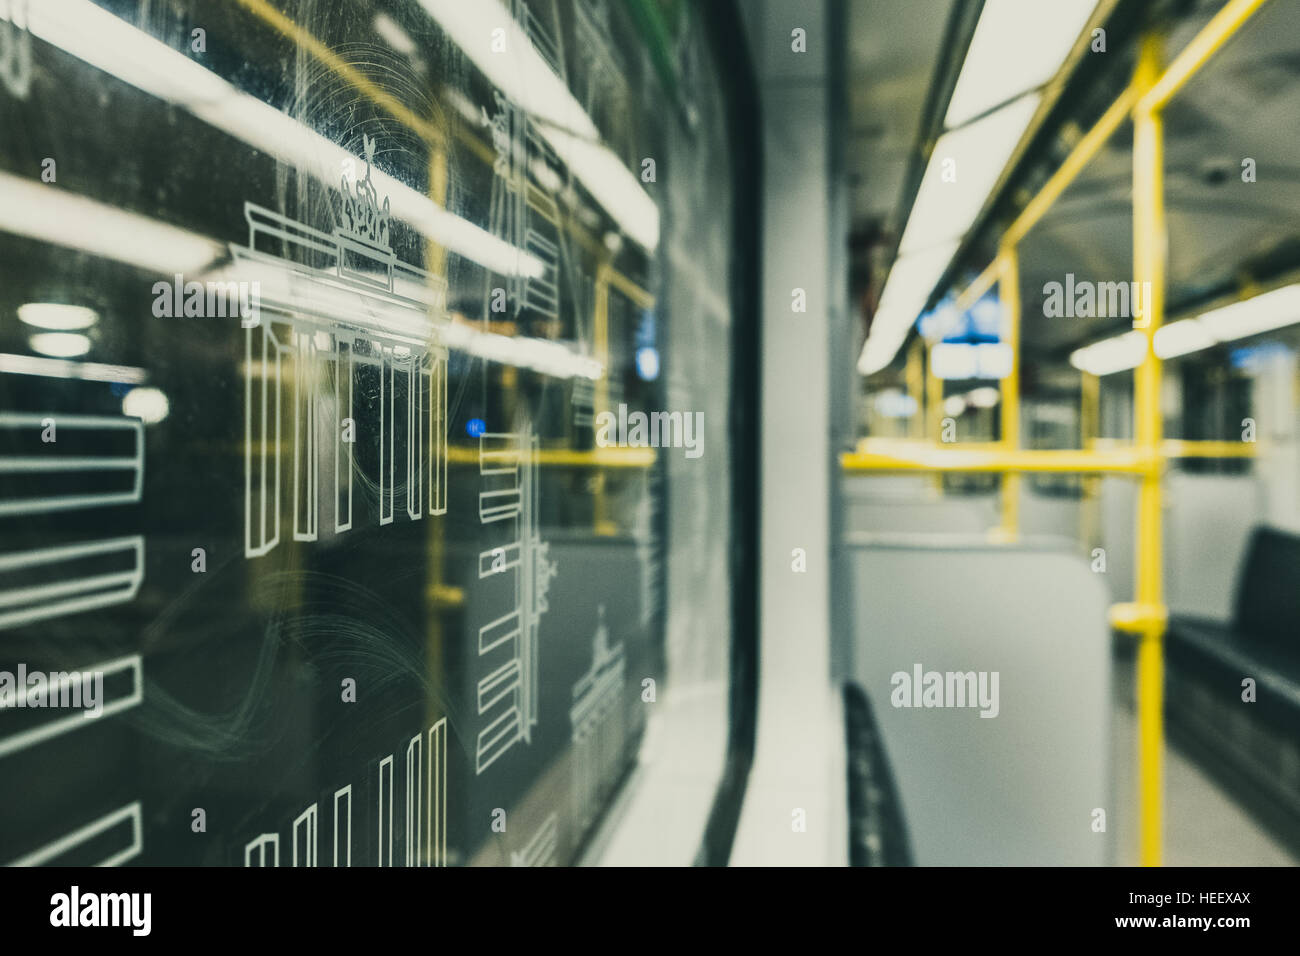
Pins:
x: 363, y: 426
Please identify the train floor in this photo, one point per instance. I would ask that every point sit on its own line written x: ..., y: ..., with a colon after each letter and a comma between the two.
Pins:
x: 1204, y: 824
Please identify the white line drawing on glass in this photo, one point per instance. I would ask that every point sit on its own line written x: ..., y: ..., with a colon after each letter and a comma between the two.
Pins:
x: 425, y: 813
x: 602, y: 78
x: 499, y: 560
x: 257, y: 848
x: 345, y: 841
x: 333, y: 301
x: 343, y: 372
x: 76, y: 719
x: 12, y: 364
x: 414, y: 798
x: 524, y: 210
x: 306, y: 464
x: 386, y: 811
x: 597, y: 720
x: 94, y: 466
x: 15, y: 48
x: 507, y: 695
x: 646, y: 536
x: 522, y: 213
x: 541, y: 846
x: 129, y: 813
x: 435, y: 829
x: 23, y: 603
x: 308, y: 824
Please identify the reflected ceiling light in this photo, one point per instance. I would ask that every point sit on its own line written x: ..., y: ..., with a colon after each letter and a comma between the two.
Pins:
x: 524, y: 76
x: 1018, y: 45
x: 394, y: 35
x: 56, y: 316
x: 910, y: 283
x: 150, y: 405
x: 610, y: 184
x: 540, y: 355
x: 1118, y: 354
x: 33, y: 209
x: 954, y: 406
x: 61, y: 368
x: 60, y: 344
x: 112, y: 45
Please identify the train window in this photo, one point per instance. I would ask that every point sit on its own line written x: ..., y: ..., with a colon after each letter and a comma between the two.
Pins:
x: 310, y: 317
x: 1216, y: 406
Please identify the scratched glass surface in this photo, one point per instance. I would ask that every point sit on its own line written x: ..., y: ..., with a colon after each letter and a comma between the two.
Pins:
x: 307, y: 311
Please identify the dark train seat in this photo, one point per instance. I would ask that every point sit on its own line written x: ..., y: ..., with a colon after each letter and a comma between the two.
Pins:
x: 1263, y: 639
x: 1207, y: 663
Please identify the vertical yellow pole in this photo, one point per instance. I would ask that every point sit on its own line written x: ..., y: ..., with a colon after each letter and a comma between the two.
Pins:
x: 1149, y: 267
x: 600, y: 328
x: 1089, y: 430
x: 933, y: 413
x: 915, y: 388
x: 933, y: 400
x: 436, y: 591
x: 1089, y: 410
x: 1009, y: 292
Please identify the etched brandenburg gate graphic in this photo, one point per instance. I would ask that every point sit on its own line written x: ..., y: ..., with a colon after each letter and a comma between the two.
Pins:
x: 332, y: 304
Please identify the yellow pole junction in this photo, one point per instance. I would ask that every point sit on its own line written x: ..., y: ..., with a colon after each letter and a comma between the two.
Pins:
x: 1143, y: 101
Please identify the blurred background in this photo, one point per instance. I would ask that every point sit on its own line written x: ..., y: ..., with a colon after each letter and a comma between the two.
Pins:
x: 638, y: 432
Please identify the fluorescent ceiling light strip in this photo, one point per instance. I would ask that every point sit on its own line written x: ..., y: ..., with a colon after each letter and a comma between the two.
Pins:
x: 1118, y: 354
x: 40, y: 211
x: 112, y: 45
x: 910, y: 283
x: 976, y: 154
x: 524, y: 76
x: 1182, y: 338
x: 1262, y: 313
x: 1018, y: 45
x: 941, y: 215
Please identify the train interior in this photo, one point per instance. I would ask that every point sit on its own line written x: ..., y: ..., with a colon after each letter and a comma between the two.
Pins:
x: 649, y: 433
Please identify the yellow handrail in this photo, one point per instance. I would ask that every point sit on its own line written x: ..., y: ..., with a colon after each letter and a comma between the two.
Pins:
x: 1143, y: 100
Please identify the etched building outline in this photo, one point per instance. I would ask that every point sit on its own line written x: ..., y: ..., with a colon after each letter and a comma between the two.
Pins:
x: 541, y: 846
x: 42, y: 583
x: 332, y: 302
x: 597, y: 719
x: 423, y: 816
x: 507, y: 695
x: 131, y: 815
x: 15, y: 48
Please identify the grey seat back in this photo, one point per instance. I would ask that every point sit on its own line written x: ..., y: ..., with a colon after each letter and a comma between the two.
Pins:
x: 1021, y: 787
